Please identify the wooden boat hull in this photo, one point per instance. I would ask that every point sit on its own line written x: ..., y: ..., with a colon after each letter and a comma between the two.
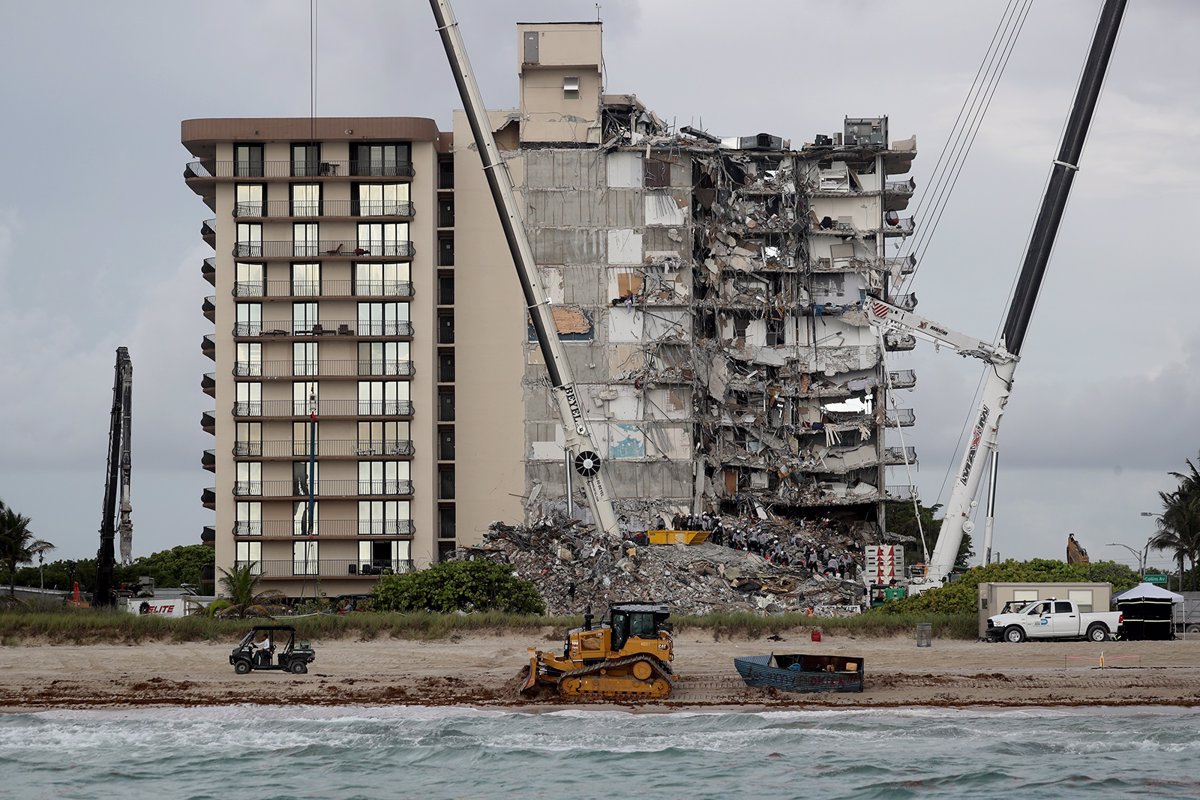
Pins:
x: 798, y: 672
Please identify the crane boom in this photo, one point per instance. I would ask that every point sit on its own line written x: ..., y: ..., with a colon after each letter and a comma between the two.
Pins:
x: 1002, y: 359
x: 116, y: 484
x: 580, y: 445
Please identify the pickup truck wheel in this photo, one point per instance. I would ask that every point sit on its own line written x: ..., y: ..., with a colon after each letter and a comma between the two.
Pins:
x: 1014, y: 634
x: 241, y: 667
x: 1097, y: 633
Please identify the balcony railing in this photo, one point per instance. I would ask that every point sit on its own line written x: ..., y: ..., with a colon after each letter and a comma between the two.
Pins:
x: 208, y: 346
x: 323, y: 288
x: 208, y: 229
x: 208, y: 270
x: 902, y: 379
x: 325, y: 408
x: 899, y: 341
x: 324, y: 208
x: 323, y: 488
x: 208, y: 497
x: 298, y: 368
x: 902, y: 492
x: 906, y: 265
x: 287, y: 448
x: 906, y: 301
x: 904, y: 188
x: 325, y: 528
x: 209, y: 307
x: 900, y: 417
x: 335, y: 327
x: 209, y: 168
x: 326, y: 568
x: 208, y: 384
x: 900, y: 455
x: 323, y: 248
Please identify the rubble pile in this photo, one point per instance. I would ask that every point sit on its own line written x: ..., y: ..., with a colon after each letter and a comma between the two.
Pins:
x: 787, y: 567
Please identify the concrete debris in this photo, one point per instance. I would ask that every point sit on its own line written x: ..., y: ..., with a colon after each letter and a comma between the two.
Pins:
x: 754, y: 565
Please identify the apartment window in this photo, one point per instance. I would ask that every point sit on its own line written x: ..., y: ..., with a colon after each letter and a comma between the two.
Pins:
x: 249, y: 479
x: 446, y: 289
x: 446, y: 444
x: 446, y: 173
x: 775, y: 332
x: 300, y: 518
x: 383, y: 238
x: 384, y: 517
x: 305, y: 239
x: 304, y: 318
x: 305, y: 360
x: 571, y: 87
x: 384, y: 477
x: 446, y: 251
x: 305, y: 559
x: 383, y: 319
x: 446, y: 482
x: 249, y: 319
x: 384, y: 358
x: 248, y: 520
x: 304, y: 436
x: 249, y: 400
x: 248, y: 200
x: 305, y: 398
x: 446, y: 328
x: 446, y: 367
x: 383, y: 557
x: 381, y: 199
x: 248, y: 160
x: 249, y: 359
x: 306, y: 200
x: 446, y: 405
x: 306, y: 280
x: 248, y: 280
x: 249, y: 439
x: 249, y: 240
x: 383, y: 398
x: 446, y: 213
x: 383, y: 160
x: 301, y: 477
x: 382, y: 279
x: 250, y: 553
x: 306, y: 160
x: 446, y: 521
x: 383, y: 438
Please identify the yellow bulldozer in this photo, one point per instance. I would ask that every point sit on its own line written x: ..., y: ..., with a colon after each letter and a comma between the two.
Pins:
x: 628, y: 656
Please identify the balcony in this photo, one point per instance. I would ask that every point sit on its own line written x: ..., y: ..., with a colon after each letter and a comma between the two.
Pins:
x: 208, y: 270
x: 323, y: 249
x: 901, y: 188
x: 333, y: 368
x: 208, y: 231
x: 208, y: 535
x: 208, y: 346
x: 900, y: 418
x: 902, y: 226
x: 208, y: 384
x: 208, y: 498
x: 325, y: 408
x: 328, y: 568
x: 399, y: 328
x: 899, y: 455
x: 903, y: 265
x: 208, y: 460
x: 207, y: 169
x: 326, y: 529
x: 902, y: 493
x: 208, y: 422
x: 906, y: 301
x: 902, y: 379
x: 357, y: 448
x: 323, y: 488
x: 209, y: 307
x: 324, y: 288
x: 283, y: 209
x: 899, y: 342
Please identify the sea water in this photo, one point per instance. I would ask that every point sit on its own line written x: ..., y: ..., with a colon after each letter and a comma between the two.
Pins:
x: 262, y: 753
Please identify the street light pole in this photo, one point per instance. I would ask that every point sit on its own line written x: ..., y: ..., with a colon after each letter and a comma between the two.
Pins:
x: 1141, y: 557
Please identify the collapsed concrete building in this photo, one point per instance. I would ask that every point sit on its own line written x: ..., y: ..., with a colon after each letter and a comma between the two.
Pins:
x: 710, y: 292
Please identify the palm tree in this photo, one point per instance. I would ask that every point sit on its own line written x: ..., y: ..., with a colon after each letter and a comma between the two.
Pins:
x: 17, y: 543
x: 240, y: 585
x: 1179, y: 524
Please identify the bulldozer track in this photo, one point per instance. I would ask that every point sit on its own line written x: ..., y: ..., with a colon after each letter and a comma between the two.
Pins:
x: 661, y: 668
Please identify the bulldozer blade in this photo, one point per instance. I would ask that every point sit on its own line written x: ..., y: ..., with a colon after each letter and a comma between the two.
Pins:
x: 531, y: 680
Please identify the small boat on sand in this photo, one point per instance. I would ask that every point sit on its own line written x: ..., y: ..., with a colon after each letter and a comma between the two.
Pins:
x: 798, y: 672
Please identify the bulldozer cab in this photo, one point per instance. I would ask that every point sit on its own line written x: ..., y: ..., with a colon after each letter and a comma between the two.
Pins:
x: 642, y: 620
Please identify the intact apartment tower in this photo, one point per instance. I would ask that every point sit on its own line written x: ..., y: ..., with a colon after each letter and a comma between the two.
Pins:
x: 379, y: 398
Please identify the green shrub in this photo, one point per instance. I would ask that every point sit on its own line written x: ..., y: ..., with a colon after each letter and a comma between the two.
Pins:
x: 458, y: 586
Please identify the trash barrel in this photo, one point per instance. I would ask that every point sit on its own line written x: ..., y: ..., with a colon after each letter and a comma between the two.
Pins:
x: 924, y: 634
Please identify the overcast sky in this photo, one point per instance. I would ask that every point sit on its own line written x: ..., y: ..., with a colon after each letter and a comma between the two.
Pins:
x: 100, y: 244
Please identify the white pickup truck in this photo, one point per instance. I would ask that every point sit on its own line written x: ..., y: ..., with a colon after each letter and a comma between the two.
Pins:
x: 1053, y: 619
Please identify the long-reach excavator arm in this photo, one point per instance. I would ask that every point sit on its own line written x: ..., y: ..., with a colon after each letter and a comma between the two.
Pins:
x: 586, y: 460
x: 116, y: 484
x: 1002, y: 359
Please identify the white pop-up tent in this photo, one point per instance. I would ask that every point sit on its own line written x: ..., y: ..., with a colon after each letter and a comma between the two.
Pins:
x: 1147, y: 612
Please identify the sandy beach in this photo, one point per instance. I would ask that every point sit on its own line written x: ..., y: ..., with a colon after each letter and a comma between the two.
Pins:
x: 482, y: 671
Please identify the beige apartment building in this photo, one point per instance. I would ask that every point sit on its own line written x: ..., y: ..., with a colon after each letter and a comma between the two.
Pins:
x: 708, y: 291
